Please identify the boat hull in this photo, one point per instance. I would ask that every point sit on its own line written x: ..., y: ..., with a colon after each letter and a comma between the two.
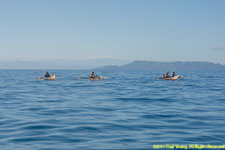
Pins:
x: 171, y: 78
x: 52, y: 77
x: 95, y: 79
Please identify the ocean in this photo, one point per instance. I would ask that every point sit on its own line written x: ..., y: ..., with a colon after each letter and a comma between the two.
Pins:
x: 130, y: 110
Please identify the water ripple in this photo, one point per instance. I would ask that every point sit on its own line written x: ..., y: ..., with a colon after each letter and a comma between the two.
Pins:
x: 129, y: 110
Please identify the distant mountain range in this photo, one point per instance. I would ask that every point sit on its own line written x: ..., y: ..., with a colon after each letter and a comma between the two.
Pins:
x: 166, y: 66
x: 111, y: 64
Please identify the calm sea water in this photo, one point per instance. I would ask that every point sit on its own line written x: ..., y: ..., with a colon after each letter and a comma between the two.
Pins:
x: 130, y: 110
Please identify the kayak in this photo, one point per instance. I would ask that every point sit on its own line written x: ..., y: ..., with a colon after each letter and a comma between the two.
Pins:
x: 96, y: 78
x: 52, y: 77
x: 172, y: 78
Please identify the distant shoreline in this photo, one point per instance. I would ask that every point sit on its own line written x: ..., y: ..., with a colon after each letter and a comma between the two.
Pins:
x: 132, y: 66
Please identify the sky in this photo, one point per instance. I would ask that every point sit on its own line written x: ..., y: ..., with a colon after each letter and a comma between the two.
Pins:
x: 157, y: 30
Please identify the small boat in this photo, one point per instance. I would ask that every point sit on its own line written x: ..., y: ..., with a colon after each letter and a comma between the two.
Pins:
x: 95, y: 78
x: 171, y: 78
x: 52, y: 77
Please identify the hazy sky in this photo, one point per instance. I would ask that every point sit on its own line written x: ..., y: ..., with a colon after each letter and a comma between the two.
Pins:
x: 160, y: 30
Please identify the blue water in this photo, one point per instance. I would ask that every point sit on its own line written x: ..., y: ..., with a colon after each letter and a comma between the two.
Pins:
x: 130, y: 110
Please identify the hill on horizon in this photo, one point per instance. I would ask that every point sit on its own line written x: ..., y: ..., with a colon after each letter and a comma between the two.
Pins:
x: 113, y: 64
x: 177, y: 65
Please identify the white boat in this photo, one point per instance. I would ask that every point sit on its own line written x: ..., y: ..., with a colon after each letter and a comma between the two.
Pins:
x: 172, y: 78
x: 52, y: 77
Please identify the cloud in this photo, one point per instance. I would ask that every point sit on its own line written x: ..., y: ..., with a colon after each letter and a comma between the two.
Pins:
x: 93, y: 57
x: 102, y: 57
x: 218, y: 48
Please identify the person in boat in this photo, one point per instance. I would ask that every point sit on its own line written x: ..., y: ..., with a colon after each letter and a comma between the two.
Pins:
x: 173, y: 74
x: 92, y: 75
x: 46, y: 74
x: 163, y: 76
x: 167, y: 75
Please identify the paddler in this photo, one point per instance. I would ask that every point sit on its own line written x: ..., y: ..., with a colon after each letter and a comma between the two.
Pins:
x: 46, y: 74
x: 92, y: 75
x: 167, y: 75
x: 173, y: 74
